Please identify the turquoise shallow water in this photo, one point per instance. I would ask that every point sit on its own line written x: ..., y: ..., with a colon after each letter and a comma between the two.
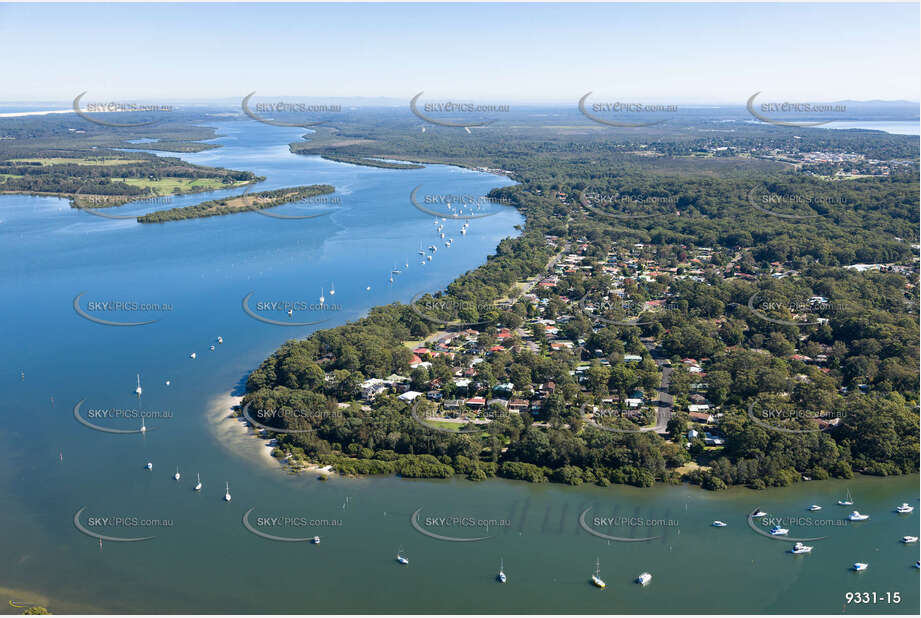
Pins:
x: 205, y: 560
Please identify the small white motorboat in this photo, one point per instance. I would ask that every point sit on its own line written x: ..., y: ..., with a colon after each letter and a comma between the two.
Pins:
x: 719, y: 524
x: 857, y: 516
x: 212, y: 347
x: 799, y: 548
x: 220, y: 340
x: 904, y: 508
x: 316, y: 540
x: 759, y: 514
x: 859, y: 566
x: 778, y: 531
x: 909, y: 539
x: 644, y: 578
x: 401, y: 558
x: 149, y: 466
x: 814, y: 507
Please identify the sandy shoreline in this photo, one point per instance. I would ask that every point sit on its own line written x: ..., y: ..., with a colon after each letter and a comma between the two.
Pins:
x: 234, y: 435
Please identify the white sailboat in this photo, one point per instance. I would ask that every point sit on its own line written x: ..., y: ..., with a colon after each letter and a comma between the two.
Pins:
x: 501, y: 576
x: 332, y: 288
x: 848, y: 501
x: 198, y: 483
x: 143, y: 426
x: 177, y: 476
x: 138, y: 390
x: 401, y: 558
x: 322, y: 298
x: 227, y: 492
x: 596, y: 577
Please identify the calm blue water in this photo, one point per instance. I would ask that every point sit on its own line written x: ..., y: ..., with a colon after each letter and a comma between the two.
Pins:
x: 897, y: 127
x: 205, y: 560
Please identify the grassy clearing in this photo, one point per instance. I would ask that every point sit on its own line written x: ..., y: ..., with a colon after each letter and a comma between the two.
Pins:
x: 89, y: 161
x: 169, y: 185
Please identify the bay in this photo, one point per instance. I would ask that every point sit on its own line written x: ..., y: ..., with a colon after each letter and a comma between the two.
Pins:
x: 203, y: 559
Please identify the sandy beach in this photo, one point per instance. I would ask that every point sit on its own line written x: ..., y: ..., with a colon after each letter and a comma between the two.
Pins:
x: 233, y: 434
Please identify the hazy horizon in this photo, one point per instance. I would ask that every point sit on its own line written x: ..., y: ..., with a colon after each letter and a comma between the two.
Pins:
x: 716, y: 54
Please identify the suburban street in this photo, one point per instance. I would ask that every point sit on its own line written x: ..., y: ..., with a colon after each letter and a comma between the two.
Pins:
x: 664, y: 400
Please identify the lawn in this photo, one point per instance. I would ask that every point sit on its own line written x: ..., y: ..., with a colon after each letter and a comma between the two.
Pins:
x: 91, y: 161
x: 169, y: 185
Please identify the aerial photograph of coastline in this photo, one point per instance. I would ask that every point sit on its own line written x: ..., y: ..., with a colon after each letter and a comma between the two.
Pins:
x: 443, y: 308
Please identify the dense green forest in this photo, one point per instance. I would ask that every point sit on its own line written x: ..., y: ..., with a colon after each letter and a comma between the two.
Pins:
x: 242, y: 203
x: 367, y: 162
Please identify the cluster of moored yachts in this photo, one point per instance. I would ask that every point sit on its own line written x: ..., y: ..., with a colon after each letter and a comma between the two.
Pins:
x: 642, y: 578
x: 799, y: 548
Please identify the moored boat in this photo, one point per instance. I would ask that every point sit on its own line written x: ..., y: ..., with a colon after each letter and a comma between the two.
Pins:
x: 596, y: 576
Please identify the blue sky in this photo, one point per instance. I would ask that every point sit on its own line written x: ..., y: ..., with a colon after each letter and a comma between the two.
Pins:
x: 504, y: 52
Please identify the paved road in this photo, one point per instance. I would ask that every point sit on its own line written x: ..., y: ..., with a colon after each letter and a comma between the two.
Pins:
x: 529, y: 285
x: 664, y: 400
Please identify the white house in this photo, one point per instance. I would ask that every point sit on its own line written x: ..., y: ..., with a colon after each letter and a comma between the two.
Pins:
x: 409, y: 396
x: 373, y: 387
